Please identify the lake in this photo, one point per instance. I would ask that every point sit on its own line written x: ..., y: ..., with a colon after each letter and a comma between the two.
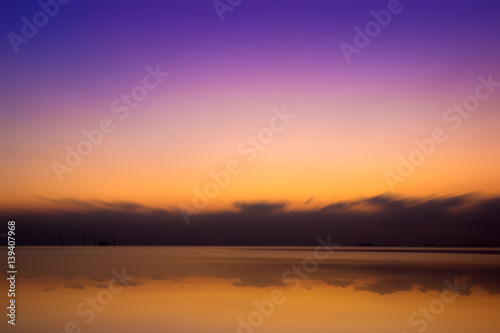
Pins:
x: 255, y: 289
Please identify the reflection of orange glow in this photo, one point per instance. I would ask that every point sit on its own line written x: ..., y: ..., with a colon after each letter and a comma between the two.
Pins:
x: 195, y: 303
x: 215, y: 289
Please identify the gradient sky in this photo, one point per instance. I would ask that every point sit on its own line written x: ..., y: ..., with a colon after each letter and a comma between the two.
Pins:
x: 352, y: 121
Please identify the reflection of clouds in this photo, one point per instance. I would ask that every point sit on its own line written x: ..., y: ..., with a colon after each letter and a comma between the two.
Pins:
x: 381, y: 273
x: 492, y: 281
x: 261, y: 282
x: 75, y: 286
x: 134, y: 283
x: 339, y: 283
x: 387, y: 286
x: 100, y: 286
x: 382, y: 278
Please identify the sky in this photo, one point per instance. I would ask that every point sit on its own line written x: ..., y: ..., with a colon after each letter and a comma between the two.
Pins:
x: 204, y: 106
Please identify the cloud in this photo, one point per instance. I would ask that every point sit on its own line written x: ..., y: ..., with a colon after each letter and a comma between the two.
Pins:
x: 259, y: 207
x: 384, y: 220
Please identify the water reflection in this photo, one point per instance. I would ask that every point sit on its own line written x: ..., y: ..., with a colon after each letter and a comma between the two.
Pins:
x: 218, y: 289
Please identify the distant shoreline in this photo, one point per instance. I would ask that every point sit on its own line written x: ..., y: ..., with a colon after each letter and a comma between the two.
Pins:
x: 401, y: 249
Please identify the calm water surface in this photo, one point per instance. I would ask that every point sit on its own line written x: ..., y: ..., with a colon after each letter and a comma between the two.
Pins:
x: 246, y: 290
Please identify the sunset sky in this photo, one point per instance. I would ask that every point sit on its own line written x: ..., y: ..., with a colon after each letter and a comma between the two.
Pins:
x: 226, y: 81
x: 250, y: 166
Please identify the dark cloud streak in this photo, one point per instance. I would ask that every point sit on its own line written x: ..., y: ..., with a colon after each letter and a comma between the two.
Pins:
x: 383, y: 220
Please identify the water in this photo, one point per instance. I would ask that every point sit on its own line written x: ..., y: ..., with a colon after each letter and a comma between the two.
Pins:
x: 262, y: 289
